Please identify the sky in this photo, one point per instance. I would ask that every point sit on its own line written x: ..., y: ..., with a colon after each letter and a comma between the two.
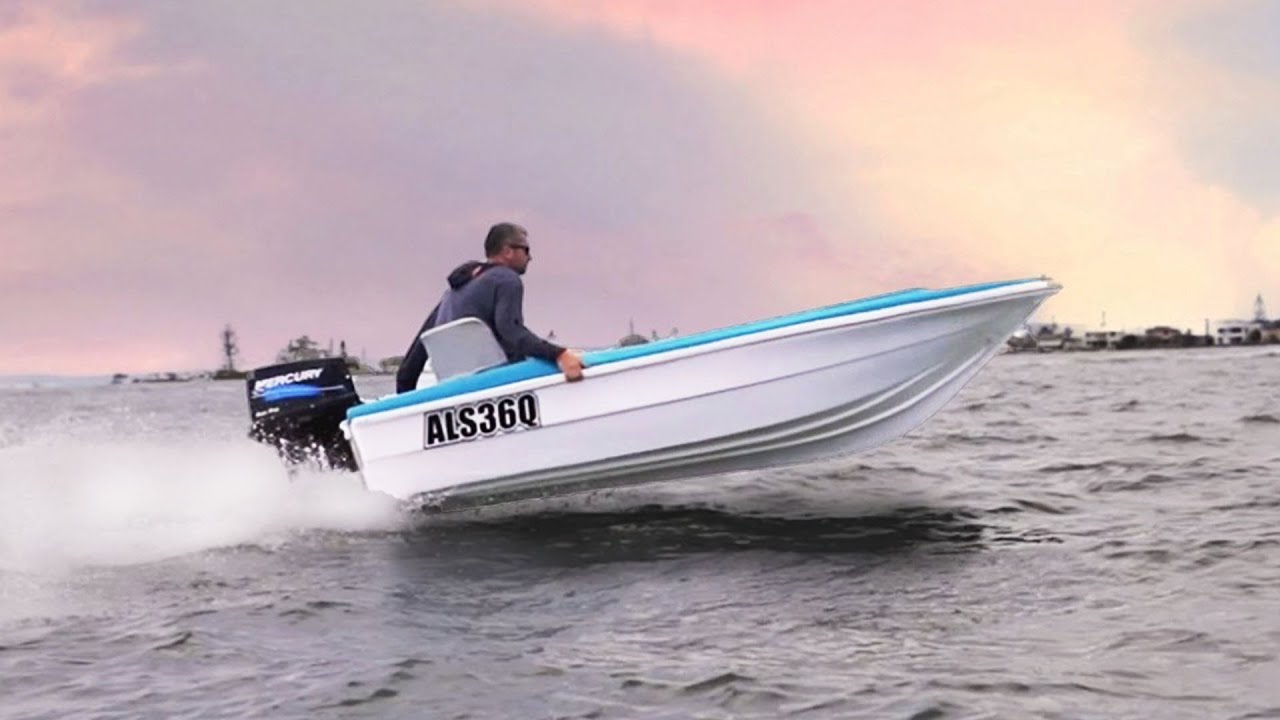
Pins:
x: 318, y: 166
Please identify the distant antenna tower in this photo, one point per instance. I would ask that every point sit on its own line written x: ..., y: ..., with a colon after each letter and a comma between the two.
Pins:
x: 1259, y: 310
x: 229, y: 348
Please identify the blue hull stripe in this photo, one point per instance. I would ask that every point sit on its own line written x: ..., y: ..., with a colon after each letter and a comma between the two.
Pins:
x: 536, y: 368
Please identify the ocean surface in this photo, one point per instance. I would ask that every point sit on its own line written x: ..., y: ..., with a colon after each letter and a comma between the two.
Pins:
x: 1074, y: 536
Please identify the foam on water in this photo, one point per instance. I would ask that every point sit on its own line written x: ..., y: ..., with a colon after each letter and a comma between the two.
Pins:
x: 64, y: 506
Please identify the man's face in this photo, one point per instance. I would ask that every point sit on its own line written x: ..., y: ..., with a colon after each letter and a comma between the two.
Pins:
x: 516, y: 254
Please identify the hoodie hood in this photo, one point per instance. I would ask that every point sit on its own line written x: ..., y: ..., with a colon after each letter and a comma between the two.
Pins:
x: 465, y: 272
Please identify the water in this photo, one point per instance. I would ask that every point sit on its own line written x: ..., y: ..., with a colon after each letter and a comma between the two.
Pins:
x: 1075, y: 536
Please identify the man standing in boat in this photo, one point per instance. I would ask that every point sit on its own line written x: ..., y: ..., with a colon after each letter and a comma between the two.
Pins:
x: 493, y: 292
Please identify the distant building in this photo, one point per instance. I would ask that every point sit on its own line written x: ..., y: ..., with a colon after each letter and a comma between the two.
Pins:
x: 1102, y: 339
x: 632, y: 337
x: 1163, y: 336
x: 302, y: 348
x: 1238, y: 332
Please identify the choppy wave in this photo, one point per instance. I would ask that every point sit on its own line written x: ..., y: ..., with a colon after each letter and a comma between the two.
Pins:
x: 1180, y: 438
x: 1049, y: 545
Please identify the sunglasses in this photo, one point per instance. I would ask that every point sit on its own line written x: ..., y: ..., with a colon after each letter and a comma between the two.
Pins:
x: 525, y: 248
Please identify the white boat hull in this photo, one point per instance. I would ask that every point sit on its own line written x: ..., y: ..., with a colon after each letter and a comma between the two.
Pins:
x: 803, y: 392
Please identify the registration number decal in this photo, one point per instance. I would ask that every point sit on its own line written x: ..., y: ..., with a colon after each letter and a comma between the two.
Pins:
x: 482, y: 419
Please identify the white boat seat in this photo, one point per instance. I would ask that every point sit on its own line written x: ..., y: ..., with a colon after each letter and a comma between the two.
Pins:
x: 462, y: 347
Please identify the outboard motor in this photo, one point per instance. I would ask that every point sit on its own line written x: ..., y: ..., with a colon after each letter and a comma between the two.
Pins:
x: 297, y: 407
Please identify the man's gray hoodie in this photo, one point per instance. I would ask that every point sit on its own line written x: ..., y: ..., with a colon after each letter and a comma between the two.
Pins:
x: 492, y: 293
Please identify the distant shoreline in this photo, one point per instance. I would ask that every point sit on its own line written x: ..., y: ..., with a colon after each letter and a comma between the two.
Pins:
x: 1140, y: 348
x: 17, y: 380
x: 1059, y: 349
x: 215, y: 376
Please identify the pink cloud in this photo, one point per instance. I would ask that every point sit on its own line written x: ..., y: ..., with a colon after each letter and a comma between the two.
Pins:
x: 262, y: 173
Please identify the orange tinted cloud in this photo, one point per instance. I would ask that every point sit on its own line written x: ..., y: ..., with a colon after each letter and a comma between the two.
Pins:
x: 1006, y: 138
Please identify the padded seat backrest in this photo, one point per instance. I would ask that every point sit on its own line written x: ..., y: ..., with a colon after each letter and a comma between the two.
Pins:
x: 462, y: 347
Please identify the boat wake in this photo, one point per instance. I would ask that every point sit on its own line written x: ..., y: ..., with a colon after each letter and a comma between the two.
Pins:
x: 65, y: 506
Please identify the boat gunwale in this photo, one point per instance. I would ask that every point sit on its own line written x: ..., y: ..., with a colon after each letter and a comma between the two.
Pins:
x: 733, y: 336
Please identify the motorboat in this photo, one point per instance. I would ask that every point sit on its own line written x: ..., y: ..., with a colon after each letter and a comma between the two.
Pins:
x: 796, y: 388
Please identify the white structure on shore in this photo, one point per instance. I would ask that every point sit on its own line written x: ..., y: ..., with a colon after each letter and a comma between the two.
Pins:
x: 1241, y: 332
x: 1237, y: 332
x: 1102, y: 339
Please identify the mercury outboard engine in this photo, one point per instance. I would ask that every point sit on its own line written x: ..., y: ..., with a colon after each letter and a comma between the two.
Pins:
x: 297, y: 407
